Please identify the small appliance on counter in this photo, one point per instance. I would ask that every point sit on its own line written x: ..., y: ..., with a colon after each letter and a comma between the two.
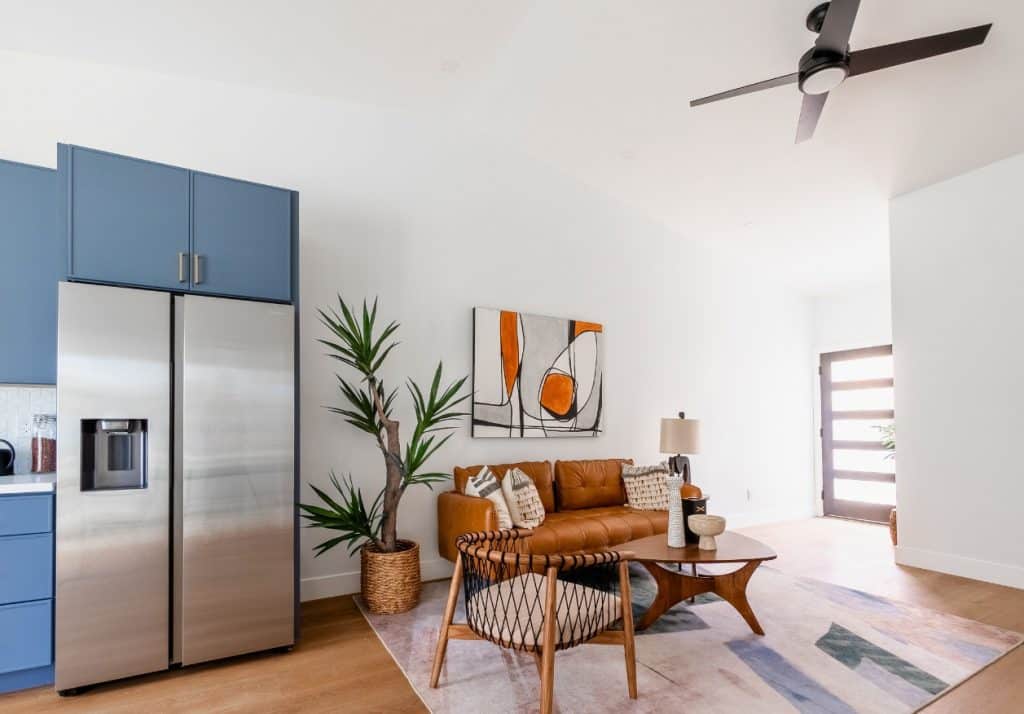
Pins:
x: 7, y: 455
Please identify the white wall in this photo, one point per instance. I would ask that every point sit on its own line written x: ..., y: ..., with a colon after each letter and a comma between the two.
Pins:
x: 858, y: 317
x: 958, y: 326
x: 847, y: 320
x: 436, y: 218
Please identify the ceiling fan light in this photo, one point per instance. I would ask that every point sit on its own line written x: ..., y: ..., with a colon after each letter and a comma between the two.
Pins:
x: 823, y: 80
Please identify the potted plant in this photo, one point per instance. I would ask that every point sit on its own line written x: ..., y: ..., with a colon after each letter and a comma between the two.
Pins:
x: 390, y: 577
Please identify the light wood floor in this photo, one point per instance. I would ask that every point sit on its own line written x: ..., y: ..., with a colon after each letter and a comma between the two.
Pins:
x: 340, y: 666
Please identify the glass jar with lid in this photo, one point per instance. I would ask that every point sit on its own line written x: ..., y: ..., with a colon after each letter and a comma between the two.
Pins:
x: 44, y: 443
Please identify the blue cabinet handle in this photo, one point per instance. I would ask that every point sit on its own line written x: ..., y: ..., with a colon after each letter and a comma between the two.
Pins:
x: 197, y: 269
x: 181, y: 267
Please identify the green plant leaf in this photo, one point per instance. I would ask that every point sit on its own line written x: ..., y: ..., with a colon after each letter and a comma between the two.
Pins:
x: 347, y: 514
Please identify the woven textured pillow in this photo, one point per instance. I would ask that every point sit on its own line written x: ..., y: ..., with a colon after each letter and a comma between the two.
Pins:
x: 486, y: 485
x: 523, y: 501
x: 646, y: 489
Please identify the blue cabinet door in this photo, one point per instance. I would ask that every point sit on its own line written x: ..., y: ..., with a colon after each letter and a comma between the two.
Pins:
x: 26, y: 634
x: 241, y: 238
x: 127, y: 219
x: 32, y: 262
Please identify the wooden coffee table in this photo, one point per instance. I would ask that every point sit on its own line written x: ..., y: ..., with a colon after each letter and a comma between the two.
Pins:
x: 675, y: 586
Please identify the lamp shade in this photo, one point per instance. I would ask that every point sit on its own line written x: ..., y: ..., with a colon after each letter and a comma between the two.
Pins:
x: 680, y: 436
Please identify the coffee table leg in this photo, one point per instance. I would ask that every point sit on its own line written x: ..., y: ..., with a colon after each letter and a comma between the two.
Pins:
x: 733, y: 589
x: 673, y: 587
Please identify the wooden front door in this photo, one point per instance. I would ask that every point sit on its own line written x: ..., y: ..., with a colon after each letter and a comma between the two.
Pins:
x: 858, y: 472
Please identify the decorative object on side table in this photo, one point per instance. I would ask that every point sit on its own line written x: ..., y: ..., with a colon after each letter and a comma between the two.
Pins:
x: 676, y: 534
x: 390, y: 578
x: 707, y: 527
x: 693, y: 507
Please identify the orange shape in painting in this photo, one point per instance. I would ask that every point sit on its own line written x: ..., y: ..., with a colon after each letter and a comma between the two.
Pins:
x: 509, y: 332
x: 556, y: 393
x: 582, y: 327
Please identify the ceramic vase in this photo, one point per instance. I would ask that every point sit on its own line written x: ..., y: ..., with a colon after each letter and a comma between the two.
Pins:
x: 676, y: 534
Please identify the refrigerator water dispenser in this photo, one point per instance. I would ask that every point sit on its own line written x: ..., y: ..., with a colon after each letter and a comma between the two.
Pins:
x: 113, y: 454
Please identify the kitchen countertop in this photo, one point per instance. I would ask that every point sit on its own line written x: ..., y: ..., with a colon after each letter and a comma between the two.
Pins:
x: 27, y: 483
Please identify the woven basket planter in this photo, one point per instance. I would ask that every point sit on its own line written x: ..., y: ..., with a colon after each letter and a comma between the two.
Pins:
x: 892, y: 526
x: 390, y: 582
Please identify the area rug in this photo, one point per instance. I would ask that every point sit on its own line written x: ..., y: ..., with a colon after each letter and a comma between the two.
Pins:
x: 826, y: 649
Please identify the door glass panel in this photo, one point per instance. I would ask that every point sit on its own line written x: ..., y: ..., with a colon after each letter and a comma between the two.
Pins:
x: 865, y: 491
x: 858, y: 429
x: 845, y: 400
x: 860, y: 460
x: 867, y: 368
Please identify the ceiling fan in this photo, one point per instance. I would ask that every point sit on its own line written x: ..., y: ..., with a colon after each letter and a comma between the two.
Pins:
x: 826, y: 65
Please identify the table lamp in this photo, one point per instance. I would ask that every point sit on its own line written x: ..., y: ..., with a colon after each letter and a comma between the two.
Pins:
x: 680, y: 437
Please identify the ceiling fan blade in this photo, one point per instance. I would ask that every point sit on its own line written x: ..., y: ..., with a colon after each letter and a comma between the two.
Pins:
x: 756, y: 87
x: 875, y: 58
x: 835, y: 31
x: 810, y: 112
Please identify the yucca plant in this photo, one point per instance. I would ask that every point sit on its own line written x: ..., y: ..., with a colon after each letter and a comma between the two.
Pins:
x: 355, y: 341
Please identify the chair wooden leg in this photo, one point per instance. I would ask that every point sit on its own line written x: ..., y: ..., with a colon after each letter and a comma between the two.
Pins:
x: 627, y: 628
x: 547, y: 653
x: 449, y: 615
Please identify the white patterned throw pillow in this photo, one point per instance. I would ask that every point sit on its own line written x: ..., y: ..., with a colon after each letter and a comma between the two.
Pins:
x: 523, y: 500
x: 485, y: 485
x: 646, y: 489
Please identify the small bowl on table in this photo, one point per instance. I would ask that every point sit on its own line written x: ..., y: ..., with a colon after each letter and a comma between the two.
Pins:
x: 707, y: 527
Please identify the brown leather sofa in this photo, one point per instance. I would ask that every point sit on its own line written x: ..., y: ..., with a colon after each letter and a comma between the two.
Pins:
x: 585, y: 505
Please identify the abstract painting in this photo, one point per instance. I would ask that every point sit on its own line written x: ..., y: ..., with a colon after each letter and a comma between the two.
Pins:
x: 535, y: 376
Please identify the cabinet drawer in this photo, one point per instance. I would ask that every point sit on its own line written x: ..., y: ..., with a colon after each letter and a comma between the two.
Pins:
x: 26, y: 567
x: 26, y: 514
x: 25, y: 635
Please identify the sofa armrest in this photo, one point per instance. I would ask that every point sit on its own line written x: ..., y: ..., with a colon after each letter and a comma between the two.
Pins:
x: 458, y: 513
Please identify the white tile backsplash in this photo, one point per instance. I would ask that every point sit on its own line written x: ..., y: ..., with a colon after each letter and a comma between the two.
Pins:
x: 17, y: 407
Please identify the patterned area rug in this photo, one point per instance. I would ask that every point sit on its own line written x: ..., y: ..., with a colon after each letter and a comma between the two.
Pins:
x: 826, y: 649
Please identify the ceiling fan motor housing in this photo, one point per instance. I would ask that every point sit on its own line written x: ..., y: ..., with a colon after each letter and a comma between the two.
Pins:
x: 821, y: 71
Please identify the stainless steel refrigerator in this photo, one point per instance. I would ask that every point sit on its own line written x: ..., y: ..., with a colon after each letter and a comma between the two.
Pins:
x: 175, y: 481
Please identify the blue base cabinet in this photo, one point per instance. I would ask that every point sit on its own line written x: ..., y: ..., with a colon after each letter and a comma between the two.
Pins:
x: 26, y: 591
x: 132, y: 222
x: 33, y: 260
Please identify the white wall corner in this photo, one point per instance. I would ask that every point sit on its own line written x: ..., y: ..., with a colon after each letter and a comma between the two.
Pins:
x: 986, y: 570
x: 322, y: 586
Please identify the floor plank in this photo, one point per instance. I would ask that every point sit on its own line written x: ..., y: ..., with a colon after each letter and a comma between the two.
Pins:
x: 340, y: 664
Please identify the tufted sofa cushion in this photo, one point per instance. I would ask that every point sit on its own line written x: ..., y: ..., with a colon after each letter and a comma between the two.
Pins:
x: 590, y: 484
x: 587, y: 530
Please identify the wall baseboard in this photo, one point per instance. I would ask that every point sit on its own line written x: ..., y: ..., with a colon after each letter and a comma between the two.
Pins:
x: 321, y: 586
x: 986, y: 570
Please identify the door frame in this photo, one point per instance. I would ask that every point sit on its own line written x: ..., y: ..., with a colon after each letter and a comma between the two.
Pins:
x: 832, y: 506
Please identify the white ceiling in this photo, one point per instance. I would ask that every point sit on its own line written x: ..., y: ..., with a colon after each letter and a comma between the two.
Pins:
x: 599, y: 89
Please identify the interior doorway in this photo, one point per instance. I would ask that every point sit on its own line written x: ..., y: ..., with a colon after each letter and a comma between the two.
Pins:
x: 858, y: 464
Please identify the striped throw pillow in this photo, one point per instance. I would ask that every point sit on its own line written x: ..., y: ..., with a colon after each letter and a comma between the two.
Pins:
x: 485, y: 485
x: 646, y: 489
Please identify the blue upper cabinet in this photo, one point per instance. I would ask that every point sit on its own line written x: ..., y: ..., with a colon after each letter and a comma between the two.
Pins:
x: 134, y: 222
x: 32, y: 261
x: 241, y: 241
x: 127, y: 219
